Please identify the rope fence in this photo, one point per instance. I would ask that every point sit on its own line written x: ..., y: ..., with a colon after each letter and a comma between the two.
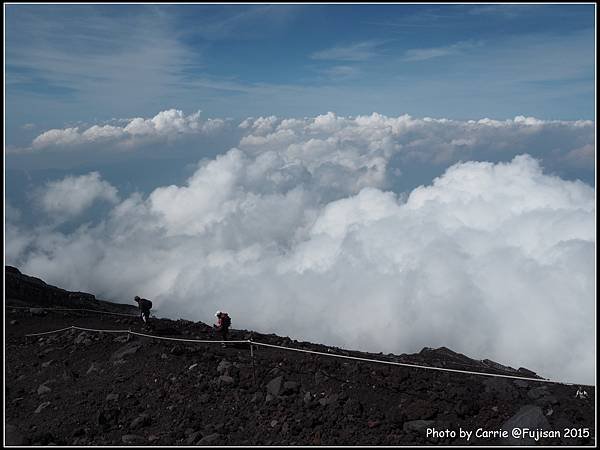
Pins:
x: 252, y: 343
x: 415, y: 366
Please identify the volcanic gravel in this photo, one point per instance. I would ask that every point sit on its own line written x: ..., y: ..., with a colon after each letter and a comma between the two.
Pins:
x: 87, y: 388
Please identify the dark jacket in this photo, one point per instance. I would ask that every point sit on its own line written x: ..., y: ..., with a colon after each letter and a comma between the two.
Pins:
x: 145, y: 305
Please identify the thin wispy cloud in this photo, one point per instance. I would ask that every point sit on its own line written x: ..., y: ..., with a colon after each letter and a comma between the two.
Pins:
x: 251, y: 22
x: 99, y: 61
x: 102, y: 57
x: 423, y: 54
x: 360, y: 51
x: 509, y: 11
x: 426, y: 18
x: 342, y: 72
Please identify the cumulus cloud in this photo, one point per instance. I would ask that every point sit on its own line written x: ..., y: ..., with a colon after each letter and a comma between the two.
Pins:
x: 71, y: 196
x: 294, y: 232
x: 370, y: 150
x: 365, y: 146
x: 168, y: 124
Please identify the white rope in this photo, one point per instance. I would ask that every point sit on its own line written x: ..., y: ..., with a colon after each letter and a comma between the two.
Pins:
x: 416, y: 366
x: 356, y: 358
x: 196, y: 341
x: 49, y: 332
x: 99, y: 331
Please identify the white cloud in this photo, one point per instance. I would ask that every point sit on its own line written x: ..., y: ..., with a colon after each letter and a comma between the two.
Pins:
x: 65, y: 137
x: 166, y: 125
x: 299, y: 237
x: 583, y: 157
x: 70, y: 196
x: 422, y: 54
x: 360, y: 51
x: 363, y: 148
x: 99, y: 133
x: 369, y: 146
x: 341, y: 72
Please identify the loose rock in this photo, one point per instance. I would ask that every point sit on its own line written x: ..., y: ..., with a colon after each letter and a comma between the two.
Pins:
x: 274, y: 386
x: 223, y: 367
x: 43, y: 389
x: 226, y: 379
x: 529, y: 416
x: 133, y: 439
x: 127, y: 350
x: 210, y: 439
x: 140, y: 421
x: 42, y: 407
x: 417, y: 426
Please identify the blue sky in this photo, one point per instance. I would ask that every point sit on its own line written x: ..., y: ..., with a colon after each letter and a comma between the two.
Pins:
x: 90, y: 63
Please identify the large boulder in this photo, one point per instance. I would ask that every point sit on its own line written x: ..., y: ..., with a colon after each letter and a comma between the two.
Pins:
x: 417, y: 426
x: 126, y: 351
x: 274, y: 386
x: 528, y: 417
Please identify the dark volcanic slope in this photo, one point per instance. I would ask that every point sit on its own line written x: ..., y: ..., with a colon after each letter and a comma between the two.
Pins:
x: 86, y: 388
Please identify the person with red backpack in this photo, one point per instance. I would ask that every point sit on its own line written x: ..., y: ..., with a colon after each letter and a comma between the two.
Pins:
x: 222, y: 325
x: 145, y: 307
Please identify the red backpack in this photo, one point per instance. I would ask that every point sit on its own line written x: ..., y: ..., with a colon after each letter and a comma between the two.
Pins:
x: 226, y: 320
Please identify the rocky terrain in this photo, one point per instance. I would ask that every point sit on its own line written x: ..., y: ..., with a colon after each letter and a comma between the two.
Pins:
x: 82, y: 387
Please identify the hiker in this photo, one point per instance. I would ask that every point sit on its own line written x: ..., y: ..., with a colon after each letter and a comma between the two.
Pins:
x: 145, y: 306
x: 581, y: 393
x: 223, y: 324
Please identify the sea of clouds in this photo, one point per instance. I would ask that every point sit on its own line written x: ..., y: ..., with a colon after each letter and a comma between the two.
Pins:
x: 301, y: 230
